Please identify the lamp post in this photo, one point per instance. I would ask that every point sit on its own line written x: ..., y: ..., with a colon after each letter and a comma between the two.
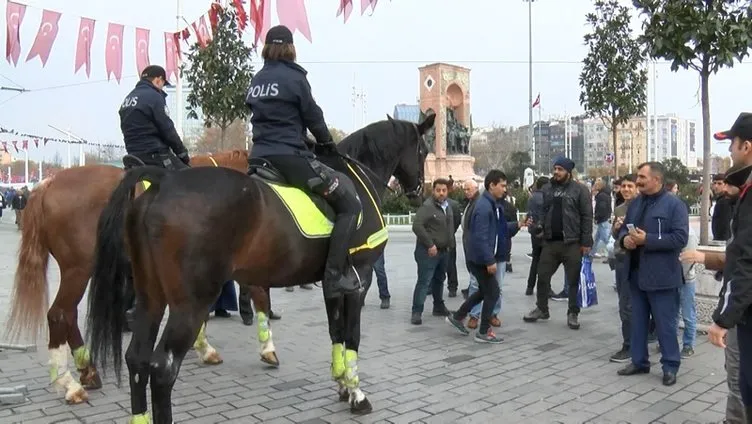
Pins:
x: 530, y: 133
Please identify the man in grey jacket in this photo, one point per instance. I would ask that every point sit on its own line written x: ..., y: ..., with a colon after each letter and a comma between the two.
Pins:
x: 434, y: 229
x: 567, y: 235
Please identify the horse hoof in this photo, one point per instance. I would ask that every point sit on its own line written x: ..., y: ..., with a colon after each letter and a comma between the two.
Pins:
x: 270, y: 358
x: 90, y: 379
x: 361, y: 408
x: 76, y: 397
x: 344, y: 394
x: 213, y: 358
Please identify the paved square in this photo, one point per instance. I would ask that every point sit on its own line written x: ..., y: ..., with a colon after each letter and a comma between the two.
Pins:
x: 542, y: 373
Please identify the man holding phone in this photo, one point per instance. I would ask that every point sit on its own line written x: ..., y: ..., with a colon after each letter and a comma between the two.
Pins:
x: 658, y: 232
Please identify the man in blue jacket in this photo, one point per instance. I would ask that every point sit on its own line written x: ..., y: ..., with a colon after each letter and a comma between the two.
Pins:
x: 655, y: 230
x: 487, y: 239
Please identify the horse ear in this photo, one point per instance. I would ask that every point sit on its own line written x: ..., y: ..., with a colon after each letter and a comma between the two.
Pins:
x: 427, y: 123
x: 389, y: 117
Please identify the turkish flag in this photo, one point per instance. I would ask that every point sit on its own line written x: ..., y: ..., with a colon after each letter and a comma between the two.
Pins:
x: 83, y: 45
x: 45, y: 37
x: 36, y: 142
x: 202, y: 32
x: 15, y: 146
x: 365, y: 3
x: 346, y: 7
x: 113, y: 55
x: 5, y: 146
x: 25, y: 144
x: 185, y: 35
x: 14, y: 14
x: 172, y: 53
x: 293, y: 15
x: 242, y: 16
x: 259, y: 13
x: 142, y: 49
x: 213, y: 16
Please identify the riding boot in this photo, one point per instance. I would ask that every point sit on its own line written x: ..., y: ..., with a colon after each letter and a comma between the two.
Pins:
x: 339, y: 278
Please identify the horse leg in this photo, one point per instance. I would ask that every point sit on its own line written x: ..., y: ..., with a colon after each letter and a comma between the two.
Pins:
x: 260, y: 298
x: 337, y: 335
x: 359, y: 403
x: 181, y: 329
x: 206, y: 352
x: 88, y: 375
x: 58, y: 318
x: 145, y: 328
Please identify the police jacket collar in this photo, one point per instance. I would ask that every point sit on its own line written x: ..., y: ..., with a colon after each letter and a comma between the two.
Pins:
x: 147, y: 83
x: 289, y: 64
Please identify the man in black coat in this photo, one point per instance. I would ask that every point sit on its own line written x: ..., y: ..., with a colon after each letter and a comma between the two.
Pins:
x: 721, y: 223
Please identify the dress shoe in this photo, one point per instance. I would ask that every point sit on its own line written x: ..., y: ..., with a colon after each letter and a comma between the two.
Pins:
x: 669, y: 378
x: 633, y: 369
x: 274, y: 316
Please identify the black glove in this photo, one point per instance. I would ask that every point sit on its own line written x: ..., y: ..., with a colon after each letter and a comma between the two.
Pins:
x: 185, y: 158
x: 328, y: 147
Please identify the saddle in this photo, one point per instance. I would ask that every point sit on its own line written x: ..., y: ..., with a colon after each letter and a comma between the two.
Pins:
x: 263, y: 169
x: 130, y: 161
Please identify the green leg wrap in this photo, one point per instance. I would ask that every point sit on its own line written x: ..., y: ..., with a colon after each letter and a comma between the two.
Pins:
x: 338, y: 361
x: 352, y: 381
x: 140, y: 419
x: 263, y: 327
x: 201, y: 343
x: 82, y: 358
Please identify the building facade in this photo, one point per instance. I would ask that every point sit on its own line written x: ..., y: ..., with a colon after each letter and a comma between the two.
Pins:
x: 193, y: 129
x: 676, y: 138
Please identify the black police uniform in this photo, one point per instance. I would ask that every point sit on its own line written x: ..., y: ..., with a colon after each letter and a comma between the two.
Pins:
x: 148, y: 132
x: 283, y: 107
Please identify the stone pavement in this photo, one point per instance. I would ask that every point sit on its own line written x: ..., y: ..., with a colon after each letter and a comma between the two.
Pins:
x: 542, y: 373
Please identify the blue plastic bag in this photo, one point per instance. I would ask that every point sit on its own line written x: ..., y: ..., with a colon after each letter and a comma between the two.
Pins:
x: 587, y: 293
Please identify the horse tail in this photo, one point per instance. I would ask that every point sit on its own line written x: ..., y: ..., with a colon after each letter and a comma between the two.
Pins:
x: 30, y: 298
x: 105, y: 320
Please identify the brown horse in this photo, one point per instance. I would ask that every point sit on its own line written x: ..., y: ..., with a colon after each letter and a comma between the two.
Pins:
x: 255, y: 230
x: 60, y: 219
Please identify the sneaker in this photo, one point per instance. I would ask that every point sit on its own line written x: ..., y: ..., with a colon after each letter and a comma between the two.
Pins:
x: 489, y: 337
x: 457, y: 324
x: 472, y: 323
x: 687, y: 352
x: 464, y: 293
x: 495, y: 321
x: 440, y: 311
x: 536, y: 315
x: 621, y: 356
x: 561, y: 297
x: 573, y: 322
x: 416, y: 318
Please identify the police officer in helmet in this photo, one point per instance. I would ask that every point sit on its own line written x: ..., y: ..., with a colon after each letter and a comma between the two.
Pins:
x: 148, y: 131
x: 282, y: 109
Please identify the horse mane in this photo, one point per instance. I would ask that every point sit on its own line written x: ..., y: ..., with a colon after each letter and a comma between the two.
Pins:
x: 371, y: 142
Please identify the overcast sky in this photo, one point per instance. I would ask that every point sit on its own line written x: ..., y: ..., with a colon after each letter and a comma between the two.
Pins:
x: 379, y: 53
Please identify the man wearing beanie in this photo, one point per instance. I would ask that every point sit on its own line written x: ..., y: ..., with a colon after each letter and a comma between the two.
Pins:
x: 567, y: 229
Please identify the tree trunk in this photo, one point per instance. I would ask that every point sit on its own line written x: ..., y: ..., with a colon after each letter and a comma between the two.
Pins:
x: 614, y: 133
x: 222, y: 136
x: 706, y: 149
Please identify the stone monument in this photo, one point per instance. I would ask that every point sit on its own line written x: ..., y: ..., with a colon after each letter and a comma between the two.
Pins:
x: 445, y: 91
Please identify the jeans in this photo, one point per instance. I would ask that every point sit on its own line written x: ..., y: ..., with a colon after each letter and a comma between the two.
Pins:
x: 554, y: 254
x: 378, y: 268
x: 734, y: 406
x: 602, y: 233
x: 488, y: 293
x: 688, y: 313
x: 431, y: 274
x: 501, y: 270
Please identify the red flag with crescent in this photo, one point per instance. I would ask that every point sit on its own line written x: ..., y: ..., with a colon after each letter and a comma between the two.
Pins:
x: 36, y: 142
x: 14, y: 14
x: 261, y: 19
x: 83, y: 45
x: 45, y: 37
x: 202, y: 32
x: 346, y: 7
x: 172, y: 53
x: 293, y: 15
x: 113, y: 55
x: 142, y: 49
x: 15, y: 146
x: 365, y: 3
x: 214, y: 16
x: 25, y: 144
x: 242, y: 15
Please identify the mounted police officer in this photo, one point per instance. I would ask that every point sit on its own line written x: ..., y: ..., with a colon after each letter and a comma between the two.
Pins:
x: 148, y: 131
x: 282, y: 109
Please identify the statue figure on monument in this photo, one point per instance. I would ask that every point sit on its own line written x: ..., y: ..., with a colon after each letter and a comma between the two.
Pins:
x: 458, y: 135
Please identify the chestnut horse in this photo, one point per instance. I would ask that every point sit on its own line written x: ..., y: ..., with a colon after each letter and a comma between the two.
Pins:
x: 255, y: 230
x: 60, y: 219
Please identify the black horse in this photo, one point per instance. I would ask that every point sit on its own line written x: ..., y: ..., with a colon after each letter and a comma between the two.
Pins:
x: 195, y: 229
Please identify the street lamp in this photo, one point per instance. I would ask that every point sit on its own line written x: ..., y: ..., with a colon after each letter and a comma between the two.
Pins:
x: 530, y: 76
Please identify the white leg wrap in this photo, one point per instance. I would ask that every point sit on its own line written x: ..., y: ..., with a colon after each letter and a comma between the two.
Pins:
x: 61, y: 377
x: 356, y: 395
x: 268, y: 346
